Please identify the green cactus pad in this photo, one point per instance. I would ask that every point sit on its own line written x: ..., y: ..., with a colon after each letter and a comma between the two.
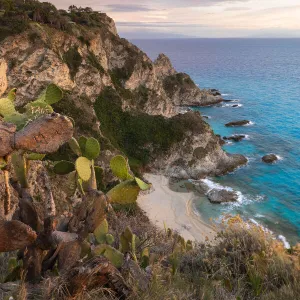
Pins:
x: 19, y: 164
x: 143, y: 185
x: 75, y: 146
x: 85, y: 249
x: 124, y: 193
x: 51, y: 94
x: 101, y: 232
x: 12, y: 94
x: 63, y: 167
x: 18, y: 119
x: 7, y: 107
x: 34, y: 156
x: 115, y: 256
x: 92, y: 148
x: 83, y: 168
x: 110, y: 239
x: 119, y: 167
x: 82, y: 141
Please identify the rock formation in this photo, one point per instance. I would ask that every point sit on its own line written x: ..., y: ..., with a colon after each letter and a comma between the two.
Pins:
x: 269, y: 158
x: 85, y: 69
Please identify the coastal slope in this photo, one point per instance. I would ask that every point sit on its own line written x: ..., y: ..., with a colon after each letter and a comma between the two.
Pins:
x: 115, y: 93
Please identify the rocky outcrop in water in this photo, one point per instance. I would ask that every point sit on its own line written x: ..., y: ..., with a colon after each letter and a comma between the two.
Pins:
x: 235, y: 137
x: 221, y: 196
x: 237, y: 123
x: 269, y: 158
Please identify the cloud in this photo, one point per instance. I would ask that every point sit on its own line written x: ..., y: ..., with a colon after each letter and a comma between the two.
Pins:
x: 156, y: 24
x: 127, y: 8
x: 237, y: 8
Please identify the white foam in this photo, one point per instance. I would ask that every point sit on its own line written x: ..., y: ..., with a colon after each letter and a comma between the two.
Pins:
x: 250, y: 123
x: 284, y: 241
x: 259, y: 216
x: 225, y: 94
x: 279, y: 157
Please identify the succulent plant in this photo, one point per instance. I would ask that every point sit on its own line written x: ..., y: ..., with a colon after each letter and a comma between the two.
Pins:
x: 50, y: 95
x: 74, y: 145
x: 83, y: 168
x: 63, y: 167
x: 101, y: 231
x: 110, y: 239
x: 20, y: 166
x: 119, y: 167
x: 92, y: 149
x: 128, y: 242
x: 115, y: 256
x: 124, y: 193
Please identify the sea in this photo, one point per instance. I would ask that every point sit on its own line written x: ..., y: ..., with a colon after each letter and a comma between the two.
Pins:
x: 262, y: 76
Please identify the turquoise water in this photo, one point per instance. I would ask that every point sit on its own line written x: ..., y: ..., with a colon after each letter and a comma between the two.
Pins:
x: 264, y: 76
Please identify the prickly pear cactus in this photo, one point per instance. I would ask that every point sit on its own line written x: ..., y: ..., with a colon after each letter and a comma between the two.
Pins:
x: 51, y: 95
x: 119, y: 167
x: 7, y: 107
x: 83, y: 168
x: 145, y: 258
x: 19, y: 163
x: 75, y: 146
x: 128, y: 242
x: 63, y: 167
x: 115, y: 256
x: 124, y: 193
x: 142, y: 185
x: 92, y: 148
x: 101, y: 231
x: 109, y: 239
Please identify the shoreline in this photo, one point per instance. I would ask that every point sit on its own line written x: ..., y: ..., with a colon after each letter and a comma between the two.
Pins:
x: 171, y: 205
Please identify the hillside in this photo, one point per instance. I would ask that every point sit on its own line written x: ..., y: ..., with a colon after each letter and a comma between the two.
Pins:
x: 83, y: 114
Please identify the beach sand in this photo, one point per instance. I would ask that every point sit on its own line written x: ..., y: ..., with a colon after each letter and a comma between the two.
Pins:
x: 172, y: 205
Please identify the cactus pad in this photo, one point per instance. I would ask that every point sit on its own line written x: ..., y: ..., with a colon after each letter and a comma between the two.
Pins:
x: 51, y: 94
x: 75, y: 146
x: 83, y: 168
x: 7, y: 107
x: 34, y: 156
x: 115, y: 256
x: 110, y: 239
x: 82, y: 141
x: 12, y: 94
x: 143, y: 185
x: 2, y: 163
x: 63, y: 167
x: 19, y: 164
x: 124, y: 193
x: 92, y: 148
x: 101, y: 232
x: 119, y: 167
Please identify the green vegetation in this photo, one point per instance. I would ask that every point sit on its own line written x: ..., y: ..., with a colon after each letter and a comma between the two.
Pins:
x: 179, y: 80
x: 73, y: 59
x: 16, y: 15
x: 140, y: 136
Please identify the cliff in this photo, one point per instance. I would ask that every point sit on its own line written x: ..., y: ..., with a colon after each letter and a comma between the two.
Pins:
x: 115, y: 92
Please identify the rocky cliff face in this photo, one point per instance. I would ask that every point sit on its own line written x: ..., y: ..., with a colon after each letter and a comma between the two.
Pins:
x: 86, y: 62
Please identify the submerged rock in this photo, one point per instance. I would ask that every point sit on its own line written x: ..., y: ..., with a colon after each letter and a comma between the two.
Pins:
x: 222, y: 196
x: 269, y: 158
x: 235, y: 137
x: 237, y: 123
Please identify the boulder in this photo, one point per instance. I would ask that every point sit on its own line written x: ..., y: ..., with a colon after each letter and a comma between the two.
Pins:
x: 269, y: 158
x: 235, y: 137
x: 237, y: 123
x: 221, y: 196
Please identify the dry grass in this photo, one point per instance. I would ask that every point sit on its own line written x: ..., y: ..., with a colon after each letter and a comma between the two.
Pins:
x: 246, y: 262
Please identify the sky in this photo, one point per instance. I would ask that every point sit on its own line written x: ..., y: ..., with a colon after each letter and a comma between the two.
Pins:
x: 199, y: 18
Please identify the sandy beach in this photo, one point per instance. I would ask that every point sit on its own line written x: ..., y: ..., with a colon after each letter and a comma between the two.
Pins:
x: 173, y: 205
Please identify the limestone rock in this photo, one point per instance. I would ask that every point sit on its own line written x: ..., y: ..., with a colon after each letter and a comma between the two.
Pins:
x: 3, y: 79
